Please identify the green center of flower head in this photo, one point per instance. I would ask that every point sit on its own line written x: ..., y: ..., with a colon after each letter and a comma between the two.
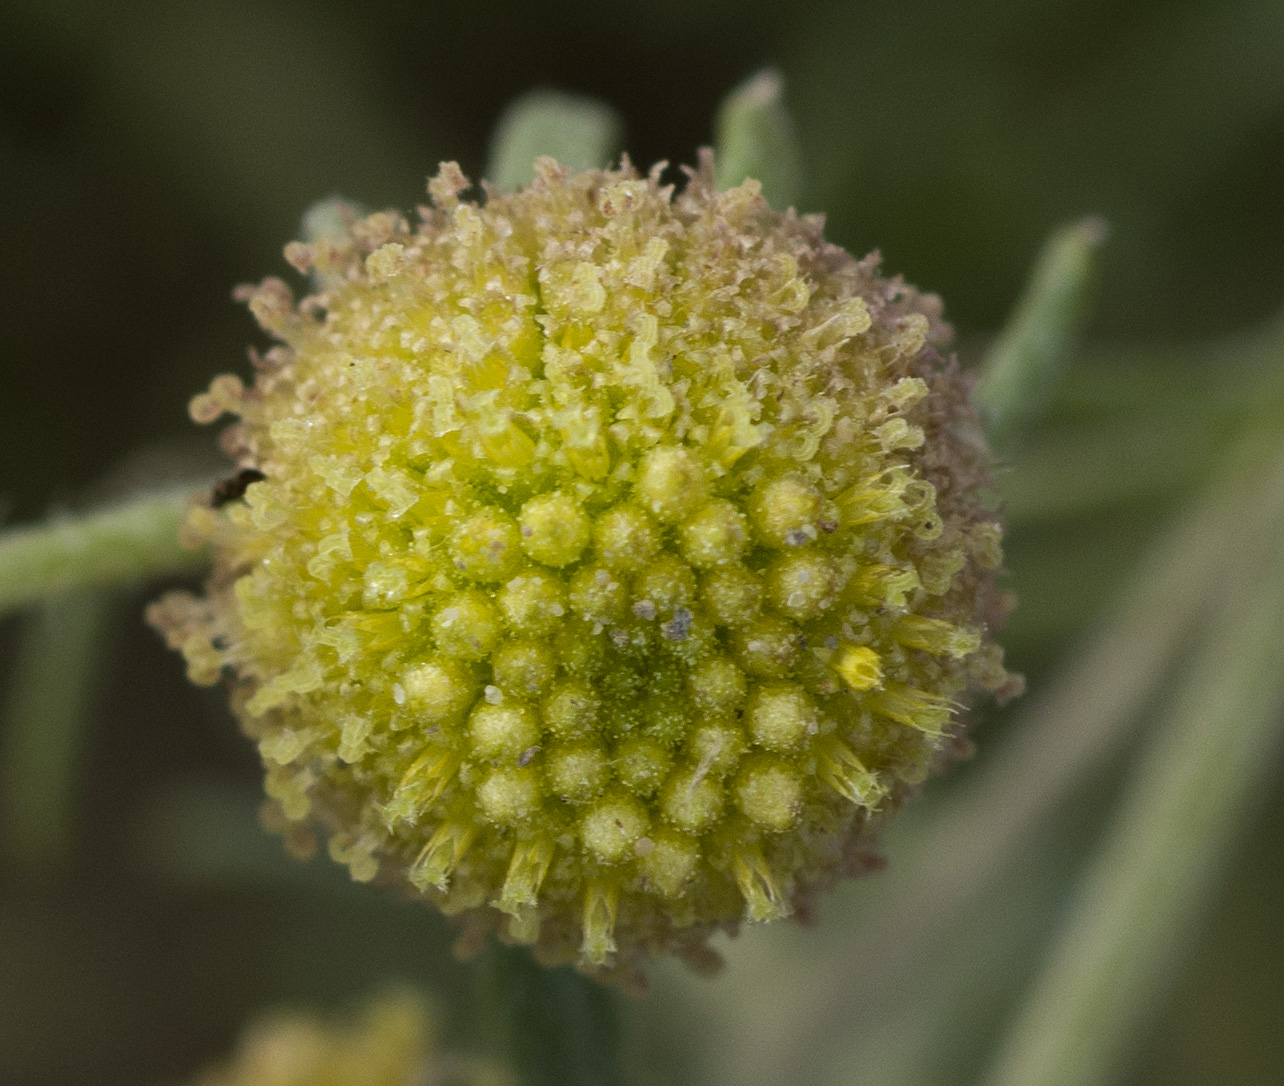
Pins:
x: 617, y: 557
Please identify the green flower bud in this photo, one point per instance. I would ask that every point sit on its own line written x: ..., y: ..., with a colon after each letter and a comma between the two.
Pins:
x: 614, y: 562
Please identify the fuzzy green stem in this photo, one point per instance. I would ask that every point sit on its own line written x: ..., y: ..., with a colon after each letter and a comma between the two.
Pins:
x: 1021, y: 368
x: 562, y: 1028
x: 581, y: 133
x: 131, y: 541
x: 1197, y: 783
x: 754, y: 137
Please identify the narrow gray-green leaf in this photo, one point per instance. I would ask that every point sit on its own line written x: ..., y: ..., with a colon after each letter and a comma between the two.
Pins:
x: 1197, y: 783
x: 755, y: 137
x: 46, y: 713
x: 1022, y: 367
x: 581, y: 133
x: 331, y: 219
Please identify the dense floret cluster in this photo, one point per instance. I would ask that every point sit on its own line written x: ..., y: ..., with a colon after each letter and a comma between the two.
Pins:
x: 609, y: 560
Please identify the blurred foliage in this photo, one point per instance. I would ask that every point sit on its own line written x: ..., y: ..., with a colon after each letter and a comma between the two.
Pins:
x: 154, y: 154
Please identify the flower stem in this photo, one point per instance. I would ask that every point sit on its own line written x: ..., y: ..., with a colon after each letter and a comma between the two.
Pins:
x: 1197, y: 782
x: 131, y: 541
x: 562, y: 1028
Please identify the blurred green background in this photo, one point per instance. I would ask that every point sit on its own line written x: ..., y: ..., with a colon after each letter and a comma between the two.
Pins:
x: 154, y: 154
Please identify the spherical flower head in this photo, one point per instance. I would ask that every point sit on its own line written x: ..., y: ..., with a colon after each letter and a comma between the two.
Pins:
x: 392, y: 1041
x: 610, y: 562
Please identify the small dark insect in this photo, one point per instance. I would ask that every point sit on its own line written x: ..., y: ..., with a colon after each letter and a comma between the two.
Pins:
x: 228, y: 490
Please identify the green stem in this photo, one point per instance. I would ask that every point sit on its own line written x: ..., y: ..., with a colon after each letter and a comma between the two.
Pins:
x: 132, y: 541
x: 562, y: 1028
x: 1209, y: 761
x: 1021, y: 368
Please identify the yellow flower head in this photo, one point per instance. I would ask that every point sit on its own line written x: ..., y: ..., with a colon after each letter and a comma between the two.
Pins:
x: 391, y: 1042
x: 608, y: 560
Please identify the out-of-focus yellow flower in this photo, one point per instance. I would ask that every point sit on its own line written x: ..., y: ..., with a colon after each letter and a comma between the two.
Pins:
x: 392, y: 1042
x: 610, y: 562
